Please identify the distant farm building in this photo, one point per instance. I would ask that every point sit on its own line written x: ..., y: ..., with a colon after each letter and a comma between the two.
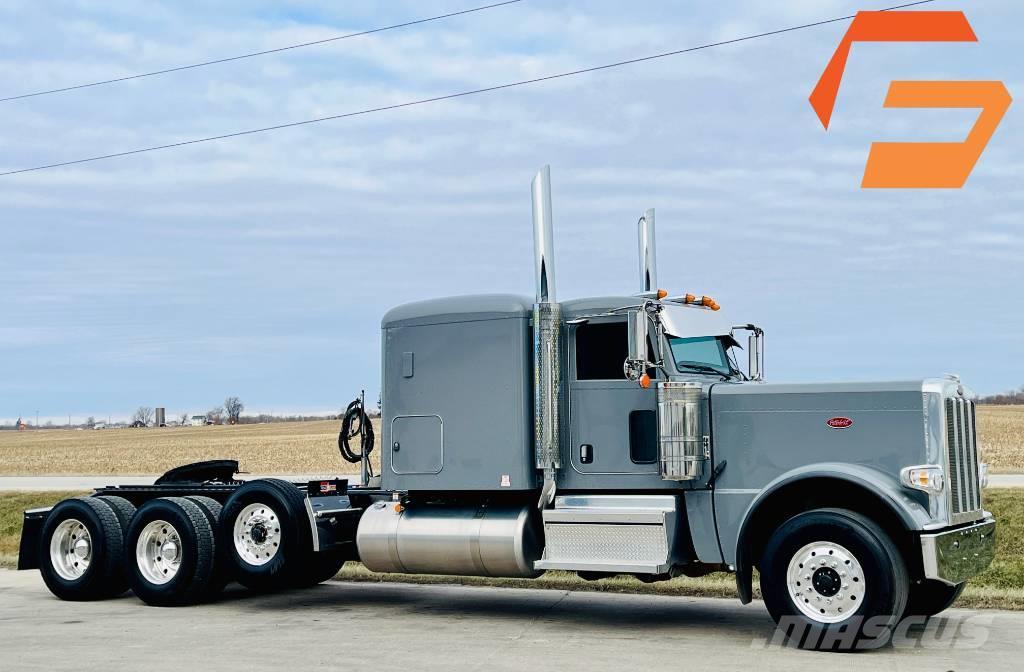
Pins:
x: 197, y: 421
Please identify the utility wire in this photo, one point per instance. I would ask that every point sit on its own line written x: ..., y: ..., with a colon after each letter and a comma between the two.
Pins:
x: 257, y: 53
x: 450, y: 96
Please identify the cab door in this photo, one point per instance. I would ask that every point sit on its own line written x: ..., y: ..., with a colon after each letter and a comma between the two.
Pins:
x: 612, y: 420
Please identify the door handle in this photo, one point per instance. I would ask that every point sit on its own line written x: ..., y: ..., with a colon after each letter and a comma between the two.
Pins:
x: 586, y: 454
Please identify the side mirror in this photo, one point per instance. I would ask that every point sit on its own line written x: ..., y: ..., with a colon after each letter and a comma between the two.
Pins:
x: 636, y: 362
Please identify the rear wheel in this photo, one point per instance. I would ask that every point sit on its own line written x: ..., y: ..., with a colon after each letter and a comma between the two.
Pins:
x: 266, y: 534
x: 81, y: 550
x: 221, y: 574
x: 171, y: 552
x: 123, y: 509
x: 931, y: 597
x: 833, y: 579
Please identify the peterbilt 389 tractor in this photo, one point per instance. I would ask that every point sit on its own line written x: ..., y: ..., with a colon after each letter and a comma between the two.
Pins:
x: 602, y: 436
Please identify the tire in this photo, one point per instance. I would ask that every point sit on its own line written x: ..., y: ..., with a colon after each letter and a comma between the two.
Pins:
x: 266, y: 535
x: 212, y: 509
x: 322, y: 566
x: 123, y: 509
x: 210, y: 506
x: 162, y: 527
x: 81, y: 550
x: 930, y: 597
x: 855, y: 596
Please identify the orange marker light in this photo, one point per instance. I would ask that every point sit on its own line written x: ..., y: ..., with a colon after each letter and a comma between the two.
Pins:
x: 645, y: 381
x: 708, y: 302
x: 398, y: 508
x: 689, y: 298
x: 662, y: 294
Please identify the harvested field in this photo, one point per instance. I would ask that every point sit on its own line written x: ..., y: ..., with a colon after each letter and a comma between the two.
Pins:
x: 273, y: 448
x: 1001, y: 435
x: 307, y: 447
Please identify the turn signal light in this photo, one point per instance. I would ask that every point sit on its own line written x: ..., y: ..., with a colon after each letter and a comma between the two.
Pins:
x: 645, y: 381
x: 927, y: 477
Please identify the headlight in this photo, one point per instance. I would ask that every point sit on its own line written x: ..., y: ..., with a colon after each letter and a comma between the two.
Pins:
x: 926, y: 477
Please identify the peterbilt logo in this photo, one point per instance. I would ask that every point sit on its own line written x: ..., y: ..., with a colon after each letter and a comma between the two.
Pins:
x: 839, y: 422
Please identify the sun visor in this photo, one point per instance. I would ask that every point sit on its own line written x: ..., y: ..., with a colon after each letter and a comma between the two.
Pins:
x: 683, y: 322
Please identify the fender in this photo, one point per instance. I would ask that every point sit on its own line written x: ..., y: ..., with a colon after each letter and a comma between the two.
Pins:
x: 885, y: 486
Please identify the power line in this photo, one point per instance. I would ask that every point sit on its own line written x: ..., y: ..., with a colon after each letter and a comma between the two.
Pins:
x: 450, y: 96
x: 257, y: 53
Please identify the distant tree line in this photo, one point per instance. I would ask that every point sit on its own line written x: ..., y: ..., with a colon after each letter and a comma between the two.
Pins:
x: 228, y: 413
x: 1005, y: 398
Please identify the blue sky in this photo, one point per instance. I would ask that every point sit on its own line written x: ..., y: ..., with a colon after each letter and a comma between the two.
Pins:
x: 261, y: 266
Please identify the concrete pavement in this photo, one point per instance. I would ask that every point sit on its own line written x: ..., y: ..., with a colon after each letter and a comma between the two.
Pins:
x: 449, y: 628
x: 1006, y: 481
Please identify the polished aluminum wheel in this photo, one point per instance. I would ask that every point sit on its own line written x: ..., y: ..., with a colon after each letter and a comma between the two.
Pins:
x: 826, y: 582
x: 70, y: 549
x: 158, y: 552
x: 257, y: 534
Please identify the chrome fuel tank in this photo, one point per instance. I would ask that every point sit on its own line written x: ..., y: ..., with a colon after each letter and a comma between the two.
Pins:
x: 464, y: 539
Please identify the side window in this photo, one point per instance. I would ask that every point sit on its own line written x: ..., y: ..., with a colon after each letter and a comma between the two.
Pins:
x: 601, y: 349
x: 643, y: 437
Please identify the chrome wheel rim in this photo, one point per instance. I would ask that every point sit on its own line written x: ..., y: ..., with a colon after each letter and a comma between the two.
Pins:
x: 257, y: 534
x: 71, y: 549
x: 158, y: 552
x: 826, y: 582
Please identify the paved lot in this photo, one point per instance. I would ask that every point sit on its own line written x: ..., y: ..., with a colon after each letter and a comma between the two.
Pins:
x: 410, y: 627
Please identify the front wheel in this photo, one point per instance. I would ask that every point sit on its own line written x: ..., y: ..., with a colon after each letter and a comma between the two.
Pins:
x: 833, y: 579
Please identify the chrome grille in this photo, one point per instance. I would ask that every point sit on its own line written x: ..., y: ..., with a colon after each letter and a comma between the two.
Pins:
x: 962, y: 459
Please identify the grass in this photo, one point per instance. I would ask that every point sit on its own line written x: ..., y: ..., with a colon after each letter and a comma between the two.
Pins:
x: 12, y: 504
x: 1001, y: 586
x: 307, y: 447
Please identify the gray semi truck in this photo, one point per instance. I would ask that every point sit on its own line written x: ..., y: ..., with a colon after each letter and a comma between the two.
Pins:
x: 601, y: 436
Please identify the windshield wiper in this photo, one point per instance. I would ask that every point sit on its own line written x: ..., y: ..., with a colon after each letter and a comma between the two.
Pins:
x: 702, y: 368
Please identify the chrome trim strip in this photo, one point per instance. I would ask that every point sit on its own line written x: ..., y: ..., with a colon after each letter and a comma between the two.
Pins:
x: 312, y: 524
x: 579, y: 566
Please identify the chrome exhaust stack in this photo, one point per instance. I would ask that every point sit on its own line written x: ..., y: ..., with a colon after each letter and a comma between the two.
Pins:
x: 648, y: 255
x: 547, y: 321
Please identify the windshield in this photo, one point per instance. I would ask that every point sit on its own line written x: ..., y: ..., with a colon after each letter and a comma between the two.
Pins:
x: 703, y: 354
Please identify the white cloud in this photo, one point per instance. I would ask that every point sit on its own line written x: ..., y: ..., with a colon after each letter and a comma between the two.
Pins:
x: 289, y: 246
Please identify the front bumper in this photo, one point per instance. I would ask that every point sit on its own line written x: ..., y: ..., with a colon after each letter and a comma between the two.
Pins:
x: 956, y: 555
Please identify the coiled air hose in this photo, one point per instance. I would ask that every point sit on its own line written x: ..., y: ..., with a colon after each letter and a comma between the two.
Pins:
x: 354, y: 423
